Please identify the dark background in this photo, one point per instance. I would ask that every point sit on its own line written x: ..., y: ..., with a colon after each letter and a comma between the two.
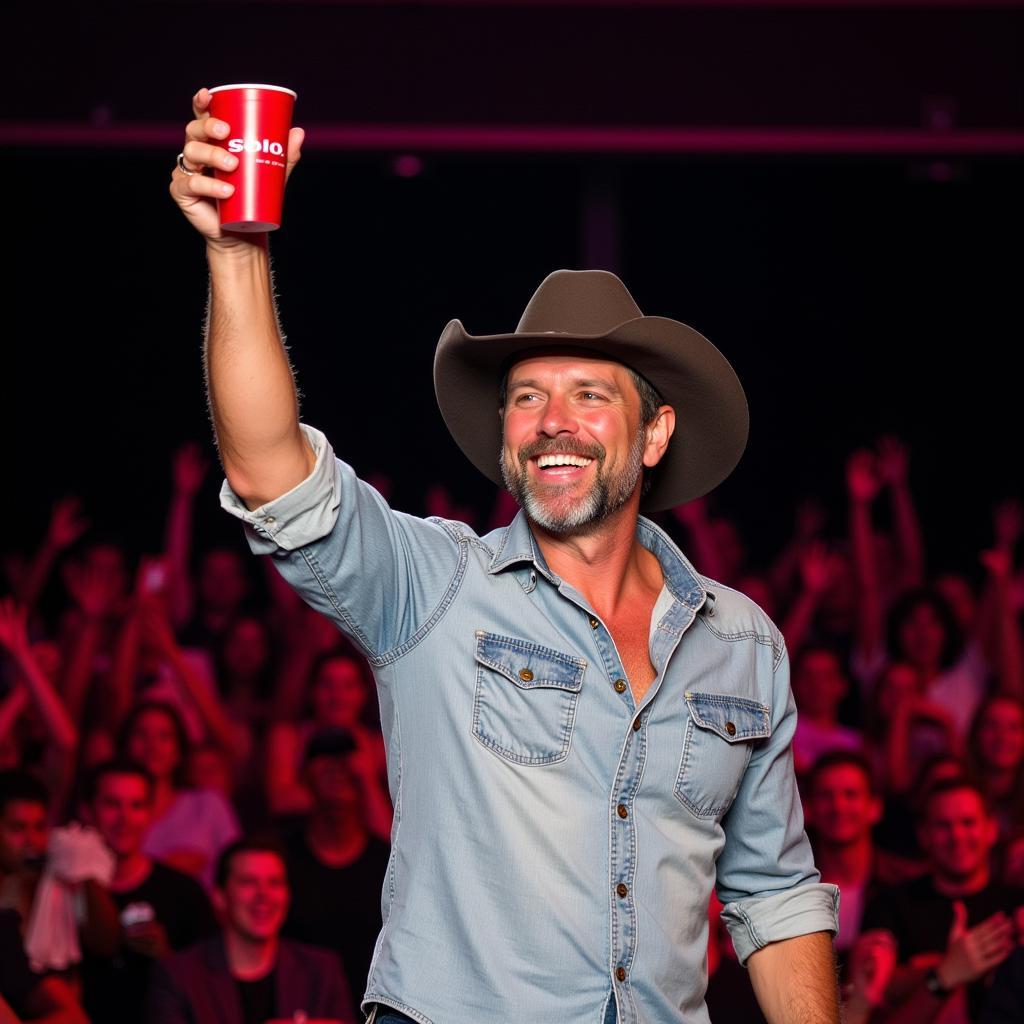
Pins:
x: 845, y: 225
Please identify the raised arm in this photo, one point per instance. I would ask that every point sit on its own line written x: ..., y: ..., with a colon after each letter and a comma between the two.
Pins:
x: 863, y: 485
x: 189, y: 469
x: 250, y: 385
x: 893, y: 467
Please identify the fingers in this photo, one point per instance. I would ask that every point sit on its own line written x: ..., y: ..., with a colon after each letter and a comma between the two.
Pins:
x: 203, y: 154
x: 201, y: 102
x: 200, y: 186
x: 959, y: 925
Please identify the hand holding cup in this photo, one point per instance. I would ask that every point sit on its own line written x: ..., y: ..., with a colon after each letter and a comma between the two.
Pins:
x: 196, y: 193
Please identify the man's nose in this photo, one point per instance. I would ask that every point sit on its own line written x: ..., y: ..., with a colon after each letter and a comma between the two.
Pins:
x: 557, y: 417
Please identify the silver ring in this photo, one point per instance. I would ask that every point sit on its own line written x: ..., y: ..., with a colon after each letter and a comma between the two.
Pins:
x: 182, y: 167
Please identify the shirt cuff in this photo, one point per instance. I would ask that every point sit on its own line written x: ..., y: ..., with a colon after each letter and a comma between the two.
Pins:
x: 300, y: 516
x: 755, y: 922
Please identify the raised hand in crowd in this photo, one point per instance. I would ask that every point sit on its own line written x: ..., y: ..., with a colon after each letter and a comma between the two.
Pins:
x: 893, y: 462
x: 809, y: 521
x: 65, y: 527
x: 97, y: 597
x: 190, y: 467
x: 863, y: 484
x: 818, y: 568
x: 872, y: 961
x: 61, y: 742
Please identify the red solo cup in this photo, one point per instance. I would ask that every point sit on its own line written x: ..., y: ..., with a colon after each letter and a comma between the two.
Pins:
x: 259, y: 117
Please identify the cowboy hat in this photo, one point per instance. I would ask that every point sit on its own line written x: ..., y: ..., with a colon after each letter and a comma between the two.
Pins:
x: 591, y: 310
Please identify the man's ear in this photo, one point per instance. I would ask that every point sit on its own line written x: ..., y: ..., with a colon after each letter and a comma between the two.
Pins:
x: 659, y: 433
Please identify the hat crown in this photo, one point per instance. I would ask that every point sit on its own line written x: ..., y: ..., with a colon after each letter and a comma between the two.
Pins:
x: 579, y: 303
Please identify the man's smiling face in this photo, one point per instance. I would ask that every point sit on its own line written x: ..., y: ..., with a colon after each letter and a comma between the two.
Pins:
x: 574, y: 446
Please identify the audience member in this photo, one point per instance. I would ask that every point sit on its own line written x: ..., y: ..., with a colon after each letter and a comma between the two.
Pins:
x: 955, y: 925
x: 336, y: 866
x: 248, y: 974
x: 339, y: 696
x: 190, y: 826
x: 23, y: 993
x: 819, y: 686
x: 159, y: 909
x: 842, y: 808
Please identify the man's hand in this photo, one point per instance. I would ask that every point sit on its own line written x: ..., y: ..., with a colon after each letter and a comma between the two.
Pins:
x: 190, y: 468
x: 872, y: 961
x: 148, y: 938
x: 863, y: 481
x: 972, y: 952
x: 196, y: 193
x: 66, y: 523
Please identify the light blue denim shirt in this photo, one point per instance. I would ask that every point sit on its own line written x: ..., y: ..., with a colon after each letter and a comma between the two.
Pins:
x: 555, y: 844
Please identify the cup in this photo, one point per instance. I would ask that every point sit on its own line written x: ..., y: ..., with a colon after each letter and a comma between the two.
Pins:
x: 260, y: 117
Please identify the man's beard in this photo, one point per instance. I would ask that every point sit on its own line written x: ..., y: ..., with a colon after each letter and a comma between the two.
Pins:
x: 607, y: 494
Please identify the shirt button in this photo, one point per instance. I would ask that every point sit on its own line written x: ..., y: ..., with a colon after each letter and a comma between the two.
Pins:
x: 730, y: 728
x: 622, y: 810
x: 270, y: 520
x: 594, y: 623
x: 636, y: 725
x: 525, y: 674
x: 620, y: 685
x: 620, y: 973
x: 622, y: 889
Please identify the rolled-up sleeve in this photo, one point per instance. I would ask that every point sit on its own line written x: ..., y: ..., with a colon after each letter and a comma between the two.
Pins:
x: 300, y: 516
x: 767, y: 881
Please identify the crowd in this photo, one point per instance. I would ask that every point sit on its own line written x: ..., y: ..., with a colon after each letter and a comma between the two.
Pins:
x: 194, y: 805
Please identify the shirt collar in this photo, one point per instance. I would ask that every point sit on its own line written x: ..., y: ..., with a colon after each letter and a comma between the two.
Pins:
x: 518, y: 545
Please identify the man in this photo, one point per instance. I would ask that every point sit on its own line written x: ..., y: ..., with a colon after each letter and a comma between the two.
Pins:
x: 160, y: 909
x: 584, y: 734
x: 24, y: 833
x: 954, y: 926
x: 76, y: 865
x: 248, y: 974
x: 335, y: 865
x: 842, y: 809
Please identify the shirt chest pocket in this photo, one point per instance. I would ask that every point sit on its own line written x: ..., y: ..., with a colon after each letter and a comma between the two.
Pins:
x: 720, y: 733
x: 525, y: 701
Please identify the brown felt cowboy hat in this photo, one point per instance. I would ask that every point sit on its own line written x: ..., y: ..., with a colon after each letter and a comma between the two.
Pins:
x: 591, y: 310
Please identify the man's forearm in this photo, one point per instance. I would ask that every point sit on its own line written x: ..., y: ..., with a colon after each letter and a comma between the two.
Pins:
x: 795, y: 980
x: 249, y: 380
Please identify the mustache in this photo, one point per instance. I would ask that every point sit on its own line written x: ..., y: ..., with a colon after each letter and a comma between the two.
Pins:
x: 566, y: 446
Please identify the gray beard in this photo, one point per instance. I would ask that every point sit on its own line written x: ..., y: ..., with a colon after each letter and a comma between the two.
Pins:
x: 604, y: 499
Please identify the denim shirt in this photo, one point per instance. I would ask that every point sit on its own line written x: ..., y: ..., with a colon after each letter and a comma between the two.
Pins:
x: 555, y: 843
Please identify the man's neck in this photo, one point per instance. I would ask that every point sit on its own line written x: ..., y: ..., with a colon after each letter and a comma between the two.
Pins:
x: 250, y: 959
x: 845, y: 863
x: 131, y: 871
x: 608, y: 565
x: 957, y: 886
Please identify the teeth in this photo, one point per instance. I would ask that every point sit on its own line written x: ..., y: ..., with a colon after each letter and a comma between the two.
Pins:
x: 562, y: 460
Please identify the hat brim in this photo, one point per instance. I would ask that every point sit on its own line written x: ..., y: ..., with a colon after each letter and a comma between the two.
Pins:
x: 692, y: 376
